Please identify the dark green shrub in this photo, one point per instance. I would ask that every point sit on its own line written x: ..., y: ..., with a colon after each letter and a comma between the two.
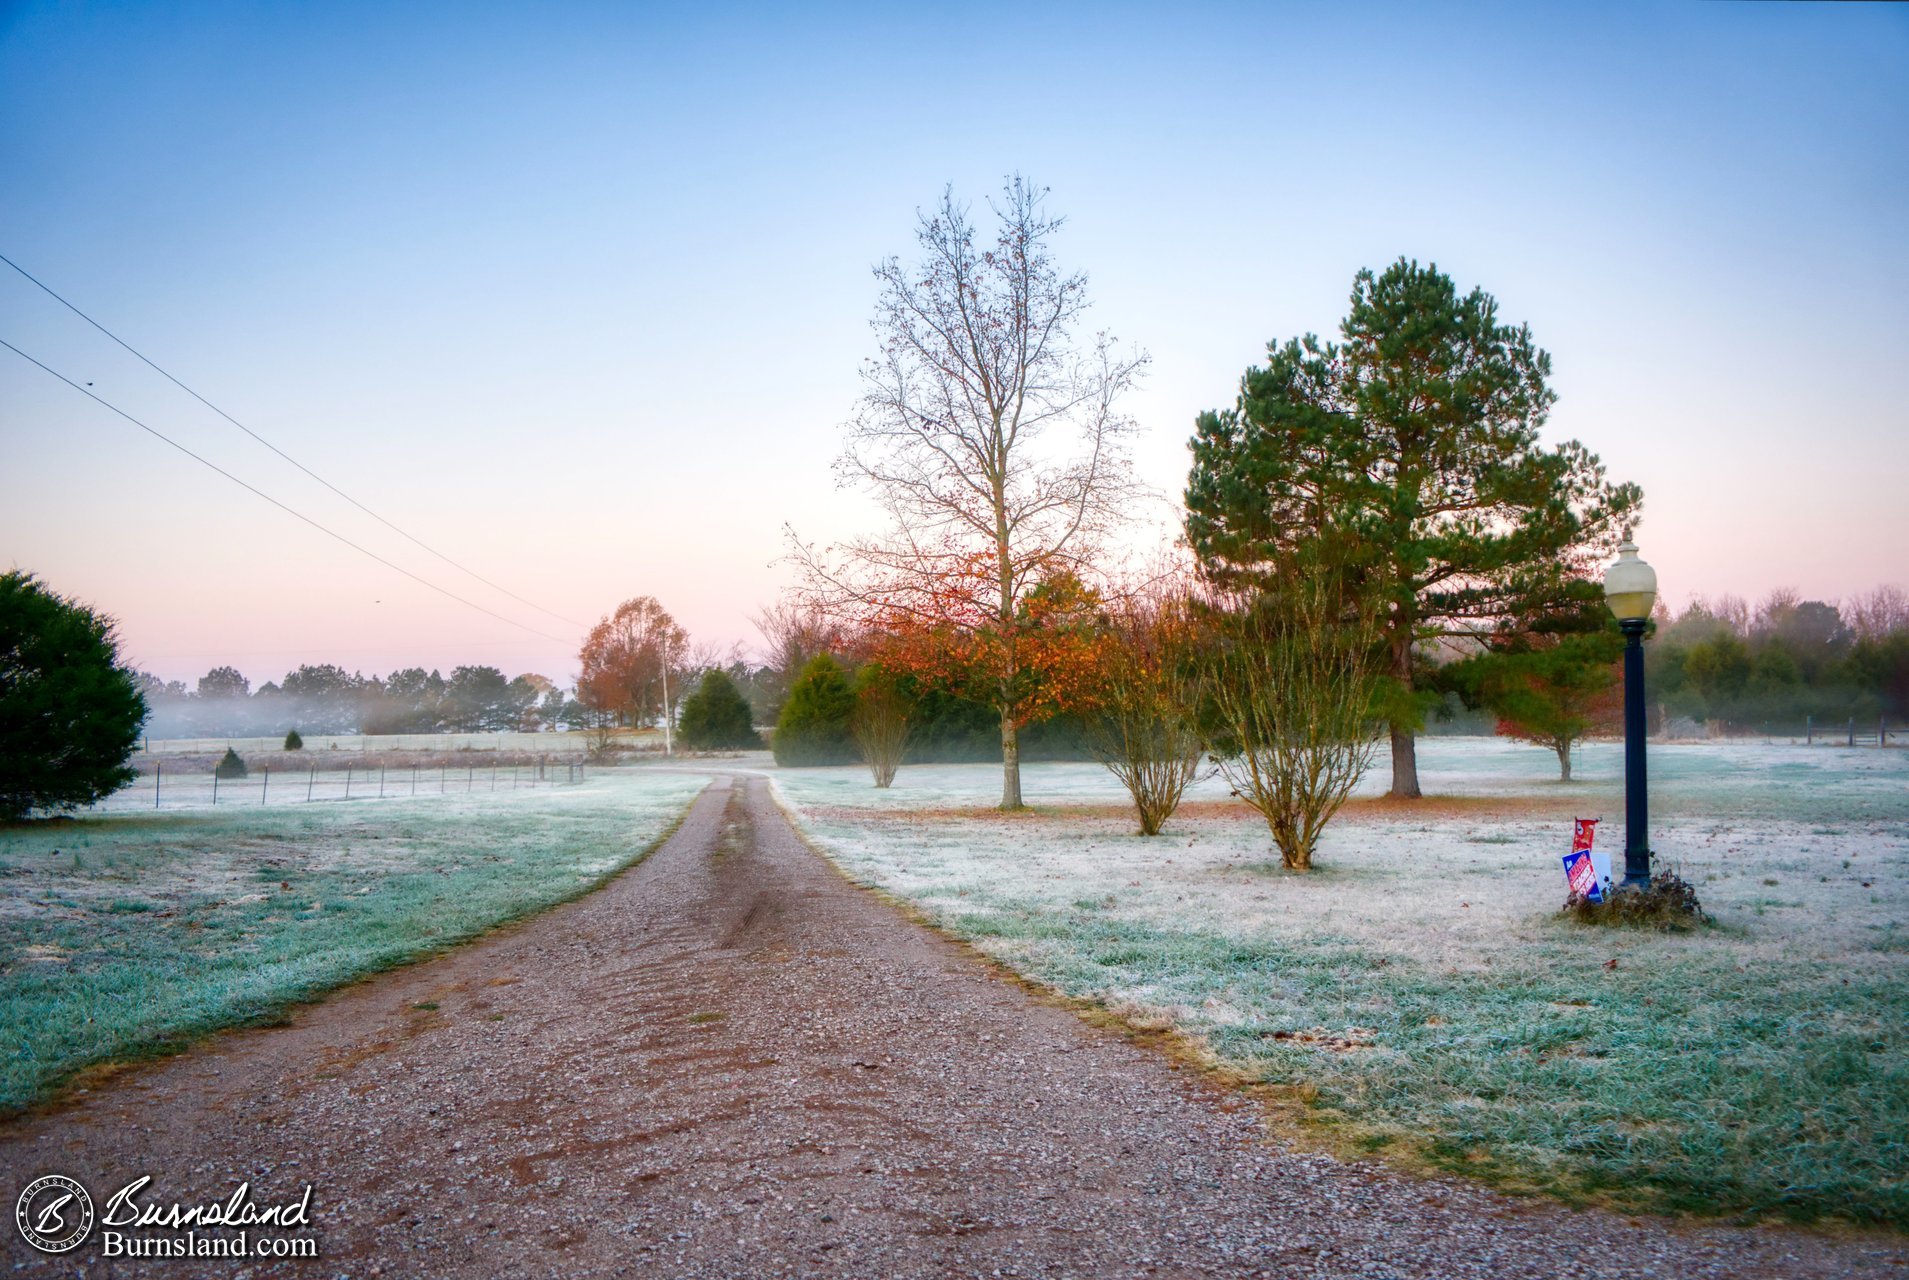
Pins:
x: 945, y: 727
x: 814, y: 725
x: 230, y: 765
x: 716, y: 717
x: 69, y: 713
x: 293, y: 742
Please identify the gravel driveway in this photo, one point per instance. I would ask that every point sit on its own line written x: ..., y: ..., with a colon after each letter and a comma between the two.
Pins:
x: 731, y: 1063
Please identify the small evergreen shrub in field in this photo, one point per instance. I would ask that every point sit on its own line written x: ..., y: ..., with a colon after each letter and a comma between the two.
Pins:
x: 293, y: 742
x: 230, y: 765
x: 1669, y: 903
x: 814, y: 725
x: 716, y: 717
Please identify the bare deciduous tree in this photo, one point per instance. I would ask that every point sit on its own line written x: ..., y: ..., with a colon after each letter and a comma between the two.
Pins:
x: 1292, y: 682
x: 989, y: 435
x: 792, y: 633
x: 1873, y: 615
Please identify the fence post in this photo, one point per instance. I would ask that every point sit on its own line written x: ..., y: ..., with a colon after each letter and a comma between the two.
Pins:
x: 215, y: 788
x: 158, y: 768
x: 265, y: 782
x: 1809, y: 731
x: 310, y: 783
x: 347, y: 782
x: 380, y: 782
x: 1852, y: 731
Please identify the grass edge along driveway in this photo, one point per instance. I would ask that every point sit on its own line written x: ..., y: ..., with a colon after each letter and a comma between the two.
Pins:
x: 125, y: 937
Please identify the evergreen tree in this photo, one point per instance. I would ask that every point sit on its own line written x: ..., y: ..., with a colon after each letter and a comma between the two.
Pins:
x: 1552, y: 682
x: 1409, y: 455
x: 716, y: 717
x: 69, y: 713
x: 814, y: 725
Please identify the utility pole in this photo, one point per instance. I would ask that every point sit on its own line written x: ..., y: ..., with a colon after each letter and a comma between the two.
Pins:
x: 667, y: 749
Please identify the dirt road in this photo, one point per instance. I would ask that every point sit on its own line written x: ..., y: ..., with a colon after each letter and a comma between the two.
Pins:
x: 732, y: 1063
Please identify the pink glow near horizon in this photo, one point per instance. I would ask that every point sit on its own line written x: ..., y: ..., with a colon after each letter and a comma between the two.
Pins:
x: 585, y: 307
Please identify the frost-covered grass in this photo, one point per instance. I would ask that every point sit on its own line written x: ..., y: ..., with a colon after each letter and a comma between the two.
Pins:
x: 125, y: 935
x: 1416, y: 991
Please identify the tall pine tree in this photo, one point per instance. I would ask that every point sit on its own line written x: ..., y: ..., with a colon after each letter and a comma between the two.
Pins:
x: 1408, y: 454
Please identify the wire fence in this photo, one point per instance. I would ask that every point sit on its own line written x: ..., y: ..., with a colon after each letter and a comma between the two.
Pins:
x: 1850, y: 733
x: 164, y: 789
x: 553, y: 743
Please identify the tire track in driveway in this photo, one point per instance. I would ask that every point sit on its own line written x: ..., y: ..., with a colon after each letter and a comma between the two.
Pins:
x: 730, y: 1062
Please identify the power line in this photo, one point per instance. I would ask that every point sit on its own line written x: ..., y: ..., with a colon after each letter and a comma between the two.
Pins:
x: 280, y: 452
x: 275, y: 502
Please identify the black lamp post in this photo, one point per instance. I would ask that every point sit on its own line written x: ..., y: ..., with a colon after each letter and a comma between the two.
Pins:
x: 1630, y: 588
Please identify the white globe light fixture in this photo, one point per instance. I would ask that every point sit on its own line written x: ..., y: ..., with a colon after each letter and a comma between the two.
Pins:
x: 1630, y: 588
x: 1630, y: 585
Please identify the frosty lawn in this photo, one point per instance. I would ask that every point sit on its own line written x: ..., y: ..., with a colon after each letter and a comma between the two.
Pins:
x: 123, y: 934
x: 1415, y: 991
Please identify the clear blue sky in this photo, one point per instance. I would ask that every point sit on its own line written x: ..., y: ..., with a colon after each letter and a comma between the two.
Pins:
x: 579, y: 293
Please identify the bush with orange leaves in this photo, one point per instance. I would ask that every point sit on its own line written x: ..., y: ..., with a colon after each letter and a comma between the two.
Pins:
x: 1143, y: 720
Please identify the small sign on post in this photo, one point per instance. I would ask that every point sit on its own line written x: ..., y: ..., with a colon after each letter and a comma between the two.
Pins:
x: 1587, y: 875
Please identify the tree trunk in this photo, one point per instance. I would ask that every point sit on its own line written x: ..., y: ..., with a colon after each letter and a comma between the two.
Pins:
x: 1010, y: 762
x: 1564, y: 762
x: 1404, y: 744
x: 1004, y: 566
x: 1404, y: 765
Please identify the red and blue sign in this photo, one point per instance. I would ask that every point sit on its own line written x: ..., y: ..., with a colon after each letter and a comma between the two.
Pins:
x: 1580, y: 873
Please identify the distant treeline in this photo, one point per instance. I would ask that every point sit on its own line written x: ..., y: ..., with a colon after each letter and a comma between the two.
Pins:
x: 329, y: 699
x: 1719, y: 661
x: 1785, y: 661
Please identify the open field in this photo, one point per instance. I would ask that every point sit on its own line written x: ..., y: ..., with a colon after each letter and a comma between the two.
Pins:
x: 125, y: 934
x: 1416, y: 996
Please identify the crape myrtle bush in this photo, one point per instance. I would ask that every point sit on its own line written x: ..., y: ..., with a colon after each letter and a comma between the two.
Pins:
x: 69, y: 713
